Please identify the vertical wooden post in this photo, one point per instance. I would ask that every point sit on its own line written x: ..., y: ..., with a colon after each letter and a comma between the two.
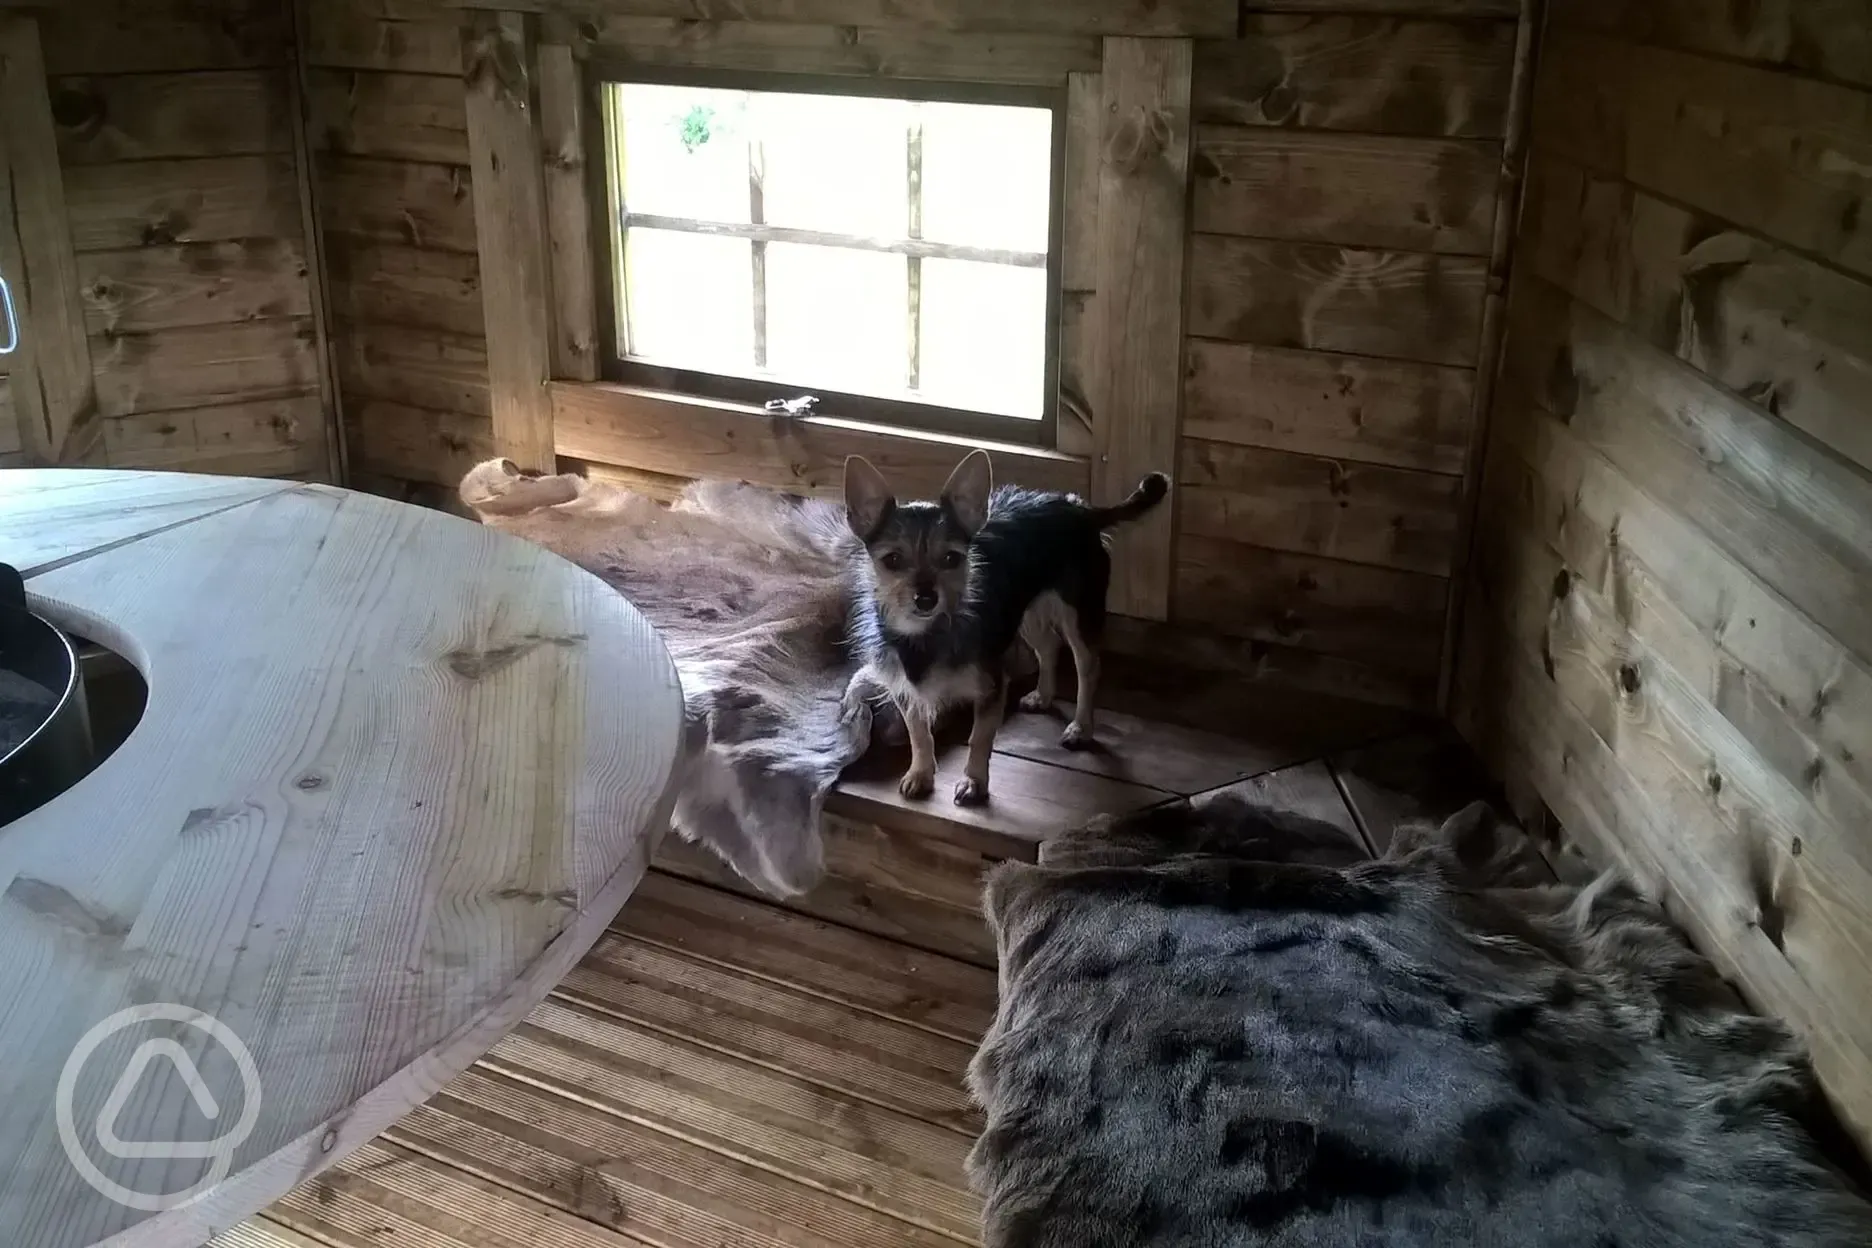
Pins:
x: 1488, y: 354
x: 510, y: 226
x: 1143, y: 202
x: 1079, y: 317
x: 330, y: 400
x: 568, y: 210
x: 52, y: 384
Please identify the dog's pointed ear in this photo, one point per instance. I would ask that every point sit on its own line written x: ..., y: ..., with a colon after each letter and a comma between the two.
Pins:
x: 868, y: 497
x: 968, y: 489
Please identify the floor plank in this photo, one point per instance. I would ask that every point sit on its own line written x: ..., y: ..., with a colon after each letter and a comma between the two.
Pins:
x: 944, y: 995
x: 838, y: 1143
x: 902, y: 1068
x: 1421, y: 775
x: 1159, y: 756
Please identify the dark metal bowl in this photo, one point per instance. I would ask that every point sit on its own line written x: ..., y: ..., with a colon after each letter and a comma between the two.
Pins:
x: 58, y: 753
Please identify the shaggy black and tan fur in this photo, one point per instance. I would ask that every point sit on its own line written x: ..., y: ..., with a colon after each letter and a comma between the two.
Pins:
x: 1217, y: 1028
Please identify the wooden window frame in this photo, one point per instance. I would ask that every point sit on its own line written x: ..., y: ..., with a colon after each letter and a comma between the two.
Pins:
x: 910, y: 417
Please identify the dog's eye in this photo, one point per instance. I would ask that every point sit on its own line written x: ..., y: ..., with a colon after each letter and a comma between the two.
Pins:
x: 892, y: 561
x: 952, y: 559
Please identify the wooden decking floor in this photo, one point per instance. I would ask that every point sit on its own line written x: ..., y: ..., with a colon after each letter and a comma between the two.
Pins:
x: 722, y: 1071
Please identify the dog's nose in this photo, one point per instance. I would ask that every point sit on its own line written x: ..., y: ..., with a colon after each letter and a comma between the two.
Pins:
x: 925, y: 599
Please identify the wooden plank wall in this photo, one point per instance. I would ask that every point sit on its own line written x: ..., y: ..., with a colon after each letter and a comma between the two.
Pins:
x: 1346, y: 168
x: 1670, y: 631
x: 389, y: 129
x: 175, y: 144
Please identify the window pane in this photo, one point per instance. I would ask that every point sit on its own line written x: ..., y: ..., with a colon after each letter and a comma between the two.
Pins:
x: 987, y: 175
x: 689, y: 300
x: 984, y: 337
x: 837, y: 319
x: 835, y: 162
x: 685, y: 151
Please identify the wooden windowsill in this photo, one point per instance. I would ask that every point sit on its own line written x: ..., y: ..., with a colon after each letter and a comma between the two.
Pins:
x: 681, y: 435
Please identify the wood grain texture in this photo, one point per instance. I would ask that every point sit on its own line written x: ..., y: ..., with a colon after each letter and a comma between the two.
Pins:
x: 1393, y: 304
x: 1816, y: 38
x: 1382, y: 75
x: 1080, y: 321
x: 500, y: 72
x: 204, y: 365
x: 418, y: 117
x: 157, y: 202
x: 1411, y: 8
x: 55, y: 397
x: 385, y: 201
x: 1143, y: 208
x: 1406, y: 194
x: 1796, y: 515
x: 1307, y: 790
x: 163, y: 116
x: 1802, y: 701
x: 346, y: 34
x: 266, y: 438
x: 1425, y: 776
x: 1363, y: 513
x: 1388, y: 619
x: 10, y: 435
x: 1155, y: 754
x: 1158, y: 18
x: 346, y: 1037
x: 420, y: 367
x: 1741, y: 821
x: 845, y: 50
x: 162, y: 287
x: 59, y: 517
x: 569, y: 187
x: 388, y: 284
x: 417, y: 443
x: 686, y: 437
x: 1316, y: 403
x: 1784, y: 331
x: 157, y: 36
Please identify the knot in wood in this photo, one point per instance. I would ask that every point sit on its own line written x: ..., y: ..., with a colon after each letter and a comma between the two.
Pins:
x: 1144, y: 134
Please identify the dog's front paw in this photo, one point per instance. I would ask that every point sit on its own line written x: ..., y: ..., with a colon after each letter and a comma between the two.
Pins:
x: 917, y: 784
x: 1036, y: 702
x: 1076, y: 737
x: 971, y: 792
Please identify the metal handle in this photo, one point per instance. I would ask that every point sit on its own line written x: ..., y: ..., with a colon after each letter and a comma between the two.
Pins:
x: 12, y: 325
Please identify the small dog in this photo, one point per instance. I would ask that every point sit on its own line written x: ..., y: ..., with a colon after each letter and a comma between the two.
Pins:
x: 953, y: 583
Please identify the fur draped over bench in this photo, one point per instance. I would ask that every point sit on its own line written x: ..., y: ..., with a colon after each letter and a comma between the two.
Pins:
x: 750, y: 592
x: 1218, y: 1028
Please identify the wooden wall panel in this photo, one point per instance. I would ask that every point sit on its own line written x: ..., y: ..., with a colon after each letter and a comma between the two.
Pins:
x: 1347, y: 184
x: 1360, y: 190
x: 1380, y: 75
x: 176, y: 136
x: 157, y: 116
x: 389, y: 122
x: 1155, y: 18
x: 1396, y: 304
x: 1674, y: 560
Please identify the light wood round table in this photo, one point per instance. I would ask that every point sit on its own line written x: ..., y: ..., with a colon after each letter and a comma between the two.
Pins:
x: 396, y: 774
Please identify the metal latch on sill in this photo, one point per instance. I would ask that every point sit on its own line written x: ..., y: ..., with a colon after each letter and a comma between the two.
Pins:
x: 803, y: 405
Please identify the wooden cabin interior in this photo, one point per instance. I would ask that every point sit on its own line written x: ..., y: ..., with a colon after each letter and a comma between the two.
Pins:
x: 1504, y: 355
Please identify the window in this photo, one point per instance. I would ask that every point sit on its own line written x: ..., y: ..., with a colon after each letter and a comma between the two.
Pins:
x: 894, y: 257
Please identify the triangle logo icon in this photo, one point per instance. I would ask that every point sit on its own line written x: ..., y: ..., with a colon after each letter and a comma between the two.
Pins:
x: 191, y: 1076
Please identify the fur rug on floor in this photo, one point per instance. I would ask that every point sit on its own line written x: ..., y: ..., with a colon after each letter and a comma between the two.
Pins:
x: 1217, y: 1028
x: 749, y: 591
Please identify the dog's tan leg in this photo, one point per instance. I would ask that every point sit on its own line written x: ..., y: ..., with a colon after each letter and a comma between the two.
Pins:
x: 920, y: 780
x: 972, y: 789
x: 1078, y: 734
x: 1044, y: 640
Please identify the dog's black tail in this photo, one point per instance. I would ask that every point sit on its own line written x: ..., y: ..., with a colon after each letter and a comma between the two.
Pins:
x: 1150, y: 491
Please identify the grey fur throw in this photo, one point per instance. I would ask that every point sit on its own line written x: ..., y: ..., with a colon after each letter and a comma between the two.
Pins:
x: 1218, y: 1028
x: 749, y: 590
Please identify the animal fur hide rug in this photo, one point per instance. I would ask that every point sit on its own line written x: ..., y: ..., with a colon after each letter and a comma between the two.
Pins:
x: 1216, y: 1029
x: 749, y: 591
